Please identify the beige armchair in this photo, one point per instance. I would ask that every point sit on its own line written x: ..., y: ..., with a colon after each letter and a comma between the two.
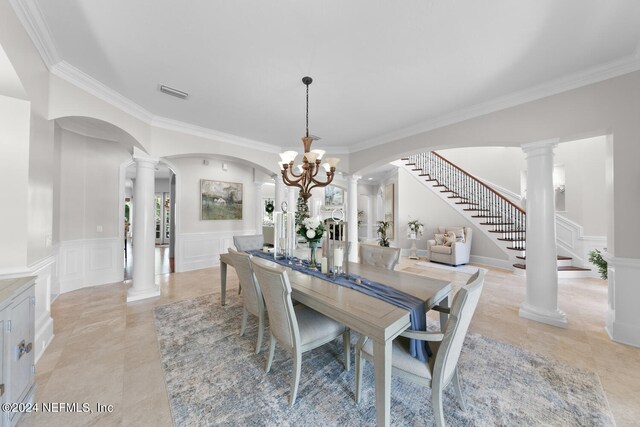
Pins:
x: 456, y: 254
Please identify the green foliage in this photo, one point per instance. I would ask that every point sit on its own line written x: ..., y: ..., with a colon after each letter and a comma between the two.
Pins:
x: 595, y: 258
x: 302, y: 212
x: 383, y: 226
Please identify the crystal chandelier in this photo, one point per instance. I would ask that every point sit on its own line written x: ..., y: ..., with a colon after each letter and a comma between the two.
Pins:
x: 306, y: 180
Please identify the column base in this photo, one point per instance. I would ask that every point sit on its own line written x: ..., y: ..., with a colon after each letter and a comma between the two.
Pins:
x: 134, y: 294
x: 550, y: 317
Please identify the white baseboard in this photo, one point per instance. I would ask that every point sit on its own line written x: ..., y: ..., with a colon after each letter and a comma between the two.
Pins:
x: 89, y: 262
x: 195, y: 251
x: 494, y: 262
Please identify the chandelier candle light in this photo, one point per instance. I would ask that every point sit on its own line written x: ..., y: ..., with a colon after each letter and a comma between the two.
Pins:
x: 311, y: 162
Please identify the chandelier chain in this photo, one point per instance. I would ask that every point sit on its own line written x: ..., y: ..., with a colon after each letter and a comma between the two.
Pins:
x: 307, y: 110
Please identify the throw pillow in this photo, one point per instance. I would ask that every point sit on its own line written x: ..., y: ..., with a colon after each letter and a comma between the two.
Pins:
x: 450, y: 238
x: 459, y: 235
x: 439, y: 239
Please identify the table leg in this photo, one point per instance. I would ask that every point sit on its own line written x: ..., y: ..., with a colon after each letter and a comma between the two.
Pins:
x: 444, y: 316
x: 382, y: 370
x: 223, y: 282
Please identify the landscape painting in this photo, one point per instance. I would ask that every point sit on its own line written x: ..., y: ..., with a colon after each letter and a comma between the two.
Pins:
x: 333, y: 197
x: 220, y: 200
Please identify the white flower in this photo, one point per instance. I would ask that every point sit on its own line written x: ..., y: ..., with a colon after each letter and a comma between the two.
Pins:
x: 311, y: 234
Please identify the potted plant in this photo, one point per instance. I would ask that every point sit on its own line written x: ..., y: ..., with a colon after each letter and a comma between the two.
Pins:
x: 414, y: 229
x: 383, y: 226
x: 595, y: 257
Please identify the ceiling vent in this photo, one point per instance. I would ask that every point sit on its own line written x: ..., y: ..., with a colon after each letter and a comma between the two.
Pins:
x: 173, y: 92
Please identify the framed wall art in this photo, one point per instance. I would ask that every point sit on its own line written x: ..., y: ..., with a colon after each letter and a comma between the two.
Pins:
x: 333, y: 197
x: 220, y: 200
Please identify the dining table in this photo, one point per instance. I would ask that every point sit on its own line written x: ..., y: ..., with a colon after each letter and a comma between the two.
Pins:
x: 367, y: 315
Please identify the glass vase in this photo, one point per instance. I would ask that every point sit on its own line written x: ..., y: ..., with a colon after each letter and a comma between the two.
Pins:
x: 313, y: 263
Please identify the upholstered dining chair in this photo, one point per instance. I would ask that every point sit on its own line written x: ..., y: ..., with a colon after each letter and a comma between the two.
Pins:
x: 253, y: 301
x: 296, y: 328
x: 379, y: 256
x: 248, y: 243
x: 441, y: 369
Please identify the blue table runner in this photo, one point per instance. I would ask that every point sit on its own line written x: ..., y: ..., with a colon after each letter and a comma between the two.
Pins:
x: 416, y: 307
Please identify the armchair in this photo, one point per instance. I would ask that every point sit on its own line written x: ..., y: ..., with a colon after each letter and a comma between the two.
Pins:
x: 456, y: 254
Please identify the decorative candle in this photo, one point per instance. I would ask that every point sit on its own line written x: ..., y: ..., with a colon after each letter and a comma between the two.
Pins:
x: 338, y: 255
x: 324, y: 265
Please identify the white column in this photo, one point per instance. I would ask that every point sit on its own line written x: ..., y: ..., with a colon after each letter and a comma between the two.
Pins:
x: 259, y: 207
x: 352, y: 216
x: 144, y: 285
x: 541, y: 302
x: 279, y: 192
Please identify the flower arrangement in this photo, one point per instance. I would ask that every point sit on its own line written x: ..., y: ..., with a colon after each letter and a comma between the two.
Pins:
x: 415, y: 228
x: 311, y: 229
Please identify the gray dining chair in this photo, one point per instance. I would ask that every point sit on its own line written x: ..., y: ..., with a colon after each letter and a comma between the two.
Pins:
x: 253, y: 301
x: 296, y: 328
x: 248, y: 243
x: 379, y: 256
x: 441, y: 370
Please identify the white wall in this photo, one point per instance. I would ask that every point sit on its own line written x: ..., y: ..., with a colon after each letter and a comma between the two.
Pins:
x: 14, y: 176
x: 89, y: 187
x: 88, y: 199
x: 498, y: 165
x: 585, y: 164
x: 41, y: 177
x: 199, y: 242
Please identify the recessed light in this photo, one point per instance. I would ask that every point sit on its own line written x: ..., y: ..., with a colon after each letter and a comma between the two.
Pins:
x: 173, y: 92
x: 369, y: 179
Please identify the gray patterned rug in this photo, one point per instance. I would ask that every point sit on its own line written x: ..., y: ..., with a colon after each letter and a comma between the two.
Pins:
x: 213, y: 377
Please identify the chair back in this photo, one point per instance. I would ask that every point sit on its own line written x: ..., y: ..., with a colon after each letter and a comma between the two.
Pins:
x: 248, y: 243
x: 379, y: 256
x: 252, y: 293
x: 462, y: 308
x: 276, y: 290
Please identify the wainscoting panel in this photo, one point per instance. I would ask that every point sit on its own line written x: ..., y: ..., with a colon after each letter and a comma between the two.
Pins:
x: 572, y: 242
x: 45, y: 272
x: 202, y: 250
x: 89, y: 262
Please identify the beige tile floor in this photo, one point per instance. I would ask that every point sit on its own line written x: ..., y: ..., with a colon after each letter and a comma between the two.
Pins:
x: 105, y: 350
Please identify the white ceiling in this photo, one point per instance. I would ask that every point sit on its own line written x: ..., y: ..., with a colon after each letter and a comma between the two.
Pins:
x: 378, y: 66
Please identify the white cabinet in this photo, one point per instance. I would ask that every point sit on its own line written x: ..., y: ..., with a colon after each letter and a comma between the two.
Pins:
x: 17, y: 302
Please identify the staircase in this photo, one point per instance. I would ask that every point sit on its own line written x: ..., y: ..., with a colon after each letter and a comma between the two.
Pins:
x: 502, y: 220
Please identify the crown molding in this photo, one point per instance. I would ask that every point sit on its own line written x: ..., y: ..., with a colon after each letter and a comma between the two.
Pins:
x: 195, y: 130
x: 30, y: 16
x: 592, y: 75
x: 79, y: 78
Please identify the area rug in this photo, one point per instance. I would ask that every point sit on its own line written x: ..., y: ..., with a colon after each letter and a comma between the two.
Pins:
x: 213, y: 377
x: 467, y: 269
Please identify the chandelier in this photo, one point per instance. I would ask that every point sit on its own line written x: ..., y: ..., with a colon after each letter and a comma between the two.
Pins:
x: 306, y: 179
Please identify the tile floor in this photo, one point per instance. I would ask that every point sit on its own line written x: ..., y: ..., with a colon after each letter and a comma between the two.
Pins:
x: 105, y: 350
